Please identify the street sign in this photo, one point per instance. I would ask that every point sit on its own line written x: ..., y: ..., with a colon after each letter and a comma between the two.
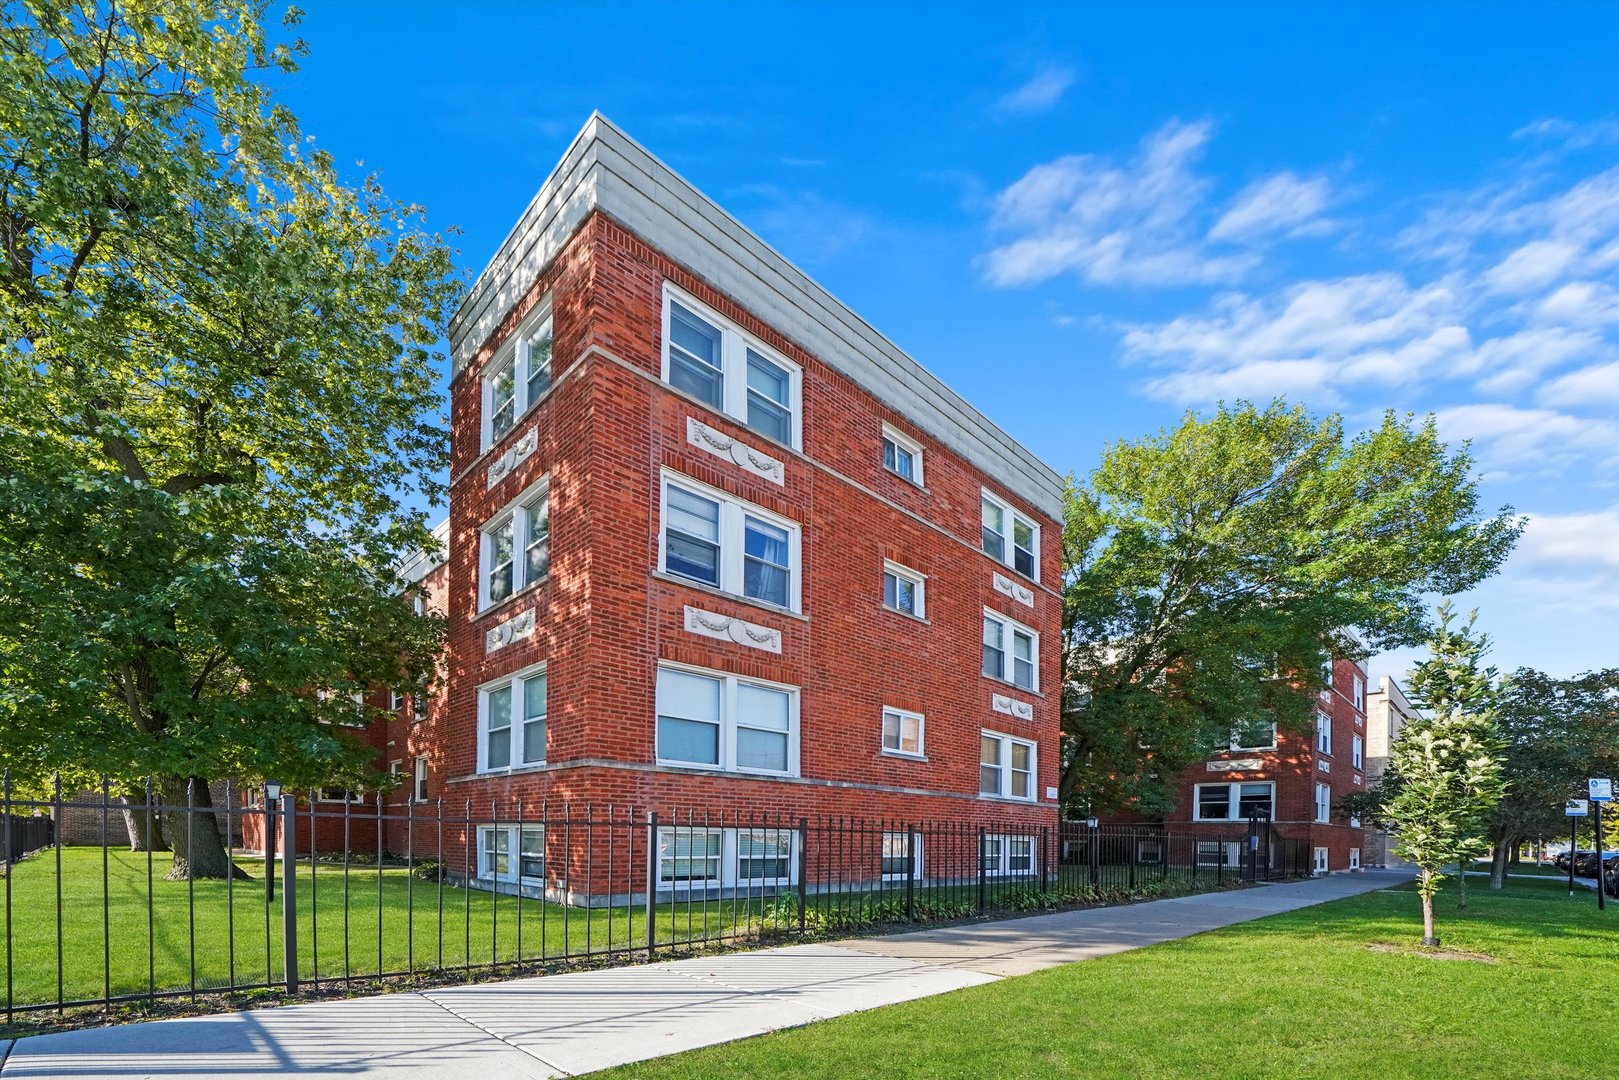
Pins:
x: 1577, y: 808
x: 1601, y: 790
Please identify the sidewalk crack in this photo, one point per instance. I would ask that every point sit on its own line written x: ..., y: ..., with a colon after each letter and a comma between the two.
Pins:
x: 553, y: 1066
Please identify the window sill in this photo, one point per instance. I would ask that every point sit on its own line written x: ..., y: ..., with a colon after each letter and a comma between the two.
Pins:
x: 715, y: 770
x: 918, y: 486
x: 674, y: 579
x: 902, y: 755
x: 513, y: 770
x: 510, y: 600
x: 914, y: 618
x: 1008, y: 799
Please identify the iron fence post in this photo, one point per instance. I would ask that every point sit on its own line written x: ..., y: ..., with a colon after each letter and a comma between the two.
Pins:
x: 803, y: 869
x: 1044, y: 848
x: 1095, y: 854
x: 982, y: 882
x: 1135, y: 855
x: 910, y: 873
x: 289, y: 891
x: 651, y: 882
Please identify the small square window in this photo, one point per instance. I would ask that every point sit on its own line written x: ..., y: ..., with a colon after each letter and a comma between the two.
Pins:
x: 902, y: 732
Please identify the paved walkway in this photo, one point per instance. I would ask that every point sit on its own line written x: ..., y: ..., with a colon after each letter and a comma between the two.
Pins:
x: 562, y: 1025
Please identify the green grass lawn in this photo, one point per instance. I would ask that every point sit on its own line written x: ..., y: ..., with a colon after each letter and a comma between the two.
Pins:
x: 474, y: 927
x: 1331, y: 991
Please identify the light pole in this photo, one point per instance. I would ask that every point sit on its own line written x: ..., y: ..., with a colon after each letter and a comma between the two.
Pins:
x: 272, y: 798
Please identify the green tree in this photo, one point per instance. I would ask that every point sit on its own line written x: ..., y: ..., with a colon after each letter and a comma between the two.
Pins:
x: 218, y: 387
x: 1448, y: 761
x: 1210, y: 569
x: 1557, y: 732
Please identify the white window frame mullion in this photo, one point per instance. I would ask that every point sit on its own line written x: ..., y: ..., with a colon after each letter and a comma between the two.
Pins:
x: 732, y: 539
x: 734, y: 345
x: 1008, y: 626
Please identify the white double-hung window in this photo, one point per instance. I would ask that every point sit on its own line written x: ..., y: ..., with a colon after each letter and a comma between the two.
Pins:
x: 1006, y: 856
x: 519, y: 375
x: 511, y: 721
x: 1010, y: 537
x: 515, y: 546
x: 1357, y: 752
x: 709, y: 719
x: 511, y: 853
x: 1005, y: 766
x: 719, y: 540
x: 1323, y: 733
x: 1323, y: 803
x: 1011, y: 651
x: 716, y: 362
x: 701, y: 857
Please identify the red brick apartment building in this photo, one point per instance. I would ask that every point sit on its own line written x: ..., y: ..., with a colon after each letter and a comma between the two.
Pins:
x: 1297, y: 780
x: 716, y: 543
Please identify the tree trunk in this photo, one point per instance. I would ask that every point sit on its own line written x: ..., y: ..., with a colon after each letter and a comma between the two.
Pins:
x: 1498, y: 867
x: 199, y: 849
x: 1428, y: 937
x: 140, y: 825
x: 1461, y: 886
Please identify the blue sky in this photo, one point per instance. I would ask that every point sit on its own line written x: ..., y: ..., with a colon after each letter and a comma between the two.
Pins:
x: 1089, y: 218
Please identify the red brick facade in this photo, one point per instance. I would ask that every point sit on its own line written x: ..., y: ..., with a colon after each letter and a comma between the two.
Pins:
x: 603, y: 437
x: 1295, y: 765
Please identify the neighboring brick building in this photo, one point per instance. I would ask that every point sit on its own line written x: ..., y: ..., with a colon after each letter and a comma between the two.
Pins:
x: 1296, y: 779
x: 716, y: 543
x: 1387, y: 712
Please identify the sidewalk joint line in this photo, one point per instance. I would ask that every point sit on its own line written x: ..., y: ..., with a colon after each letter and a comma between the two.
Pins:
x: 496, y: 1036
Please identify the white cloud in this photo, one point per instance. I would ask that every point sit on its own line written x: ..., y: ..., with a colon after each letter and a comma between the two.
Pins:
x: 1040, y: 93
x: 1583, y: 303
x: 1570, y: 561
x: 1513, y: 440
x: 1514, y: 362
x: 1534, y: 265
x: 1112, y: 223
x: 1597, y: 384
x: 1279, y: 204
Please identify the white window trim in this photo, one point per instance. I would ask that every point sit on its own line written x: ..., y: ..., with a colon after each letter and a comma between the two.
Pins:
x: 1354, y: 858
x: 514, y: 853
x: 1236, y: 741
x: 728, y: 721
x: 1323, y: 733
x: 1007, y: 742
x: 1008, y: 512
x: 1009, y: 624
x: 418, y: 779
x: 1230, y: 854
x: 1323, y: 810
x: 921, y: 733
x: 916, y: 856
x: 1004, y: 869
x: 919, y: 582
x: 513, y: 353
x: 1233, y: 799
x: 355, y: 798
x: 734, y: 345
x: 520, y: 513
x: 732, y: 540
x: 909, y: 445
x: 396, y: 701
x: 1357, y: 752
x: 1359, y: 696
x: 1322, y: 864
x: 512, y: 679
x: 730, y: 866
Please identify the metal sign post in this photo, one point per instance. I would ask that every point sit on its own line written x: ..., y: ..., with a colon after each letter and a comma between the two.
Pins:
x: 1600, y: 791
x: 1575, y: 809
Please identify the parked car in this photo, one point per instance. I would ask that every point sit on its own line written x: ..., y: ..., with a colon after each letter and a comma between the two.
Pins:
x: 1561, y: 861
x: 1585, y: 864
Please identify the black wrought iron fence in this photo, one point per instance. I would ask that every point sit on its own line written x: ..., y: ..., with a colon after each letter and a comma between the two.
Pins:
x: 333, y: 888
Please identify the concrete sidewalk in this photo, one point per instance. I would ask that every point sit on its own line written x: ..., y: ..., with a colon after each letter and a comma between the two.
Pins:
x: 562, y: 1025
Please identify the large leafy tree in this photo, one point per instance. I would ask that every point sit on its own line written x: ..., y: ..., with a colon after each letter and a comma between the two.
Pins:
x: 1446, y: 763
x: 218, y: 401
x: 1557, y: 732
x: 1210, y: 569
